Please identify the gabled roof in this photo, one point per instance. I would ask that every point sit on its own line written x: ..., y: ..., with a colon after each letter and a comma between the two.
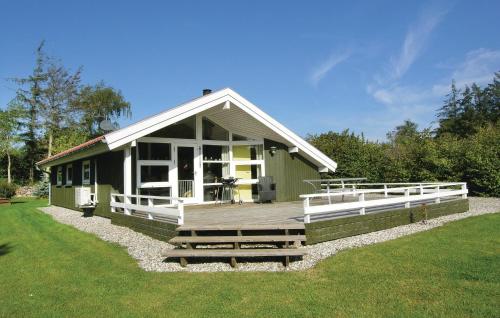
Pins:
x: 225, y: 96
x: 144, y: 127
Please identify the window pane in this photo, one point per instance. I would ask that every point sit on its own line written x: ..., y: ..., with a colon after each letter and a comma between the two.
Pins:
x: 212, y: 131
x: 185, y: 129
x: 86, y: 172
x: 154, y: 174
x: 215, y: 152
x: 213, y: 172
x: 253, y: 152
x: 69, y: 174
x: 237, y: 137
x: 154, y: 151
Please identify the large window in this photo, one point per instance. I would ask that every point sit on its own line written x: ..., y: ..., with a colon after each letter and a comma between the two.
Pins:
x: 185, y: 129
x: 154, y: 164
x: 213, y: 172
x: 212, y: 131
x: 86, y: 172
x: 154, y: 151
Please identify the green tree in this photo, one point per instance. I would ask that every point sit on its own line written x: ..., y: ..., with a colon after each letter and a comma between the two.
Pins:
x: 9, y: 138
x: 29, y: 94
x: 99, y: 102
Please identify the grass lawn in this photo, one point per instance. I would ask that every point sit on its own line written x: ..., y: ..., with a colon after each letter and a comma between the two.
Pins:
x: 51, y: 269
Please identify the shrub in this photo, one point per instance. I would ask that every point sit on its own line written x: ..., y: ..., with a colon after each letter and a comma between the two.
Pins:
x: 41, y: 189
x: 7, y: 190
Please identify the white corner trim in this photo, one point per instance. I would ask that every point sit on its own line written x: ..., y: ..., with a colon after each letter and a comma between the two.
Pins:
x: 293, y: 149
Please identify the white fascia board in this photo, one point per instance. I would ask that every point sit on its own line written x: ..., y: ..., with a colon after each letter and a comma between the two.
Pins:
x: 267, y: 120
x: 128, y: 134
x: 144, y: 127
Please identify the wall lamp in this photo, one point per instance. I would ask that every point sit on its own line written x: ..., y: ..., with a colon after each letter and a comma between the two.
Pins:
x: 272, y: 150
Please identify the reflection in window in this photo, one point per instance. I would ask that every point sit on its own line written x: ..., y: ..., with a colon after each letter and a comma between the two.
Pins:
x: 253, y: 152
x: 212, y: 131
x: 184, y: 129
x: 213, y: 172
x: 86, y: 172
x: 154, y: 151
x: 237, y: 137
x: 218, y: 153
x: 154, y: 174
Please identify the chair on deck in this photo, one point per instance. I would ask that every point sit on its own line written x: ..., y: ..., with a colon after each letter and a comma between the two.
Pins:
x: 267, y: 189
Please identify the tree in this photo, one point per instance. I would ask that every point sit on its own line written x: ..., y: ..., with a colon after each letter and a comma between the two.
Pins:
x: 29, y: 94
x: 99, y: 102
x: 9, y: 126
x: 59, y: 93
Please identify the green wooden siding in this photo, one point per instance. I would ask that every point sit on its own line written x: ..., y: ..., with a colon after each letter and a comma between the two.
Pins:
x: 155, y: 229
x: 322, y: 231
x: 109, y: 180
x: 289, y: 171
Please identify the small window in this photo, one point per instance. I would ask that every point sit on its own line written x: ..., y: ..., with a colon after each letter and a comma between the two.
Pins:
x: 213, y: 172
x: 154, y: 151
x: 59, y: 175
x: 69, y: 175
x: 212, y: 131
x: 86, y: 172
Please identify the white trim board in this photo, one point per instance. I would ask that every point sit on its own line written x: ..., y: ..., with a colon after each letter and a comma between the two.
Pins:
x: 142, y: 128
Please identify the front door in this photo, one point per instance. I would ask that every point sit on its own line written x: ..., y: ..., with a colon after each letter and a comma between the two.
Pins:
x: 186, y: 159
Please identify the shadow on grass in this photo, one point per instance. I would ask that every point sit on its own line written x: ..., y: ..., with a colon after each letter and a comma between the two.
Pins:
x: 5, y: 249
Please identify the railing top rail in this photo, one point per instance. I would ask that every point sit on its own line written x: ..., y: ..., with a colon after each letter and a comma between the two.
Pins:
x: 359, y: 191
x: 335, y: 180
x: 146, y: 196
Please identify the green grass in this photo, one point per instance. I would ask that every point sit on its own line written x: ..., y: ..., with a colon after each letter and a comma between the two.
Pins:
x: 54, y: 270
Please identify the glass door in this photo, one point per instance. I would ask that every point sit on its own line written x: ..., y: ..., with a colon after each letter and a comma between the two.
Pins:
x: 186, y: 172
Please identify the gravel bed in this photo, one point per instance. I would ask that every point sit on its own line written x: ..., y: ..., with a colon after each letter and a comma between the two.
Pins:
x: 147, y: 251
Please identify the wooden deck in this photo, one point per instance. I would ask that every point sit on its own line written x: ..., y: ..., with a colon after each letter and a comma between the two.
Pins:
x: 246, y: 214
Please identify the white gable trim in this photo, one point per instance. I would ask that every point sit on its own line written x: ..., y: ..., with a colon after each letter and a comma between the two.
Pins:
x: 140, y: 129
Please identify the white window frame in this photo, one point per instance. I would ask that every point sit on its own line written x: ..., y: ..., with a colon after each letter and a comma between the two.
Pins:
x: 68, y: 181
x: 59, y: 176
x: 170, y: 163
x: 86, y: 181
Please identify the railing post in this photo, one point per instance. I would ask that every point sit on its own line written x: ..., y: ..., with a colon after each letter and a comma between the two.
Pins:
x: 127, y: 200
x: 407, y: 195
x: 386, y: 194
x: 113, y: 200
x: 464, y: 188
x: 150, y: 202
x: 328, y: 192
x: 438, y: 199
x: 307, y: 217
x: 361, y: 198
x: 421, y: 189
x: 353, y: 190
x: 180, y: 206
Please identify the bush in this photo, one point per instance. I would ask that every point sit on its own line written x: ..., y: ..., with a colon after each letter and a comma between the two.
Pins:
x: 42, y: 189
x: 7, y: 190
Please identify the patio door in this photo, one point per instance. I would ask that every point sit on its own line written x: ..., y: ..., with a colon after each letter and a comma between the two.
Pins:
x: 186, y: 164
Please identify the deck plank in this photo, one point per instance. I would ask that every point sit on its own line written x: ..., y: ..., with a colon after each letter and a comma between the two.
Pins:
x: 246, y: 252
x: 238, y: 239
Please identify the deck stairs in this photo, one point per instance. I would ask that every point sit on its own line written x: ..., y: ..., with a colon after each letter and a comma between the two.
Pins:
x: 266, y: 241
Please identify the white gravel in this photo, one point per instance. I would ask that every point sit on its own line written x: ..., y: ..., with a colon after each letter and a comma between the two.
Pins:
x: 148, y: 251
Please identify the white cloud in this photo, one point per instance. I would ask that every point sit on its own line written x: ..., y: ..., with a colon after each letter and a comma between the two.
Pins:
x: 324, y: 68
x: 415, y: 41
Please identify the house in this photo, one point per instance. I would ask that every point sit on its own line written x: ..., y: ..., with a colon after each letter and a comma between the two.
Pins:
x: 145, y: 175
x: 183, y: 153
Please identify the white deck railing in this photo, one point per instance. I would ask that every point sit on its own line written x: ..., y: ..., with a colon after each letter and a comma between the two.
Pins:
x: 393, y: 194
x: 166, y: 211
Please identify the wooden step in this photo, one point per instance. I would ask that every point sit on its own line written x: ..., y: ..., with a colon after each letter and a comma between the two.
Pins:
x: 243, y: 227
x: 237, y: 239
x: 244, y: 252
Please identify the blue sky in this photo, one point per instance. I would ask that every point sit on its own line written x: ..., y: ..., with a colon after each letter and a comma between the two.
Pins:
x: 314, y: 66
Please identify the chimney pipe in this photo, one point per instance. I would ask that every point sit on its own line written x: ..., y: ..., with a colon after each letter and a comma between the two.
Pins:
x: 206, y: 91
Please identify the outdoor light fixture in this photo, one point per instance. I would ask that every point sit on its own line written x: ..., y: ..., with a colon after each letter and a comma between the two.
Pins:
x: 272, y: 150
